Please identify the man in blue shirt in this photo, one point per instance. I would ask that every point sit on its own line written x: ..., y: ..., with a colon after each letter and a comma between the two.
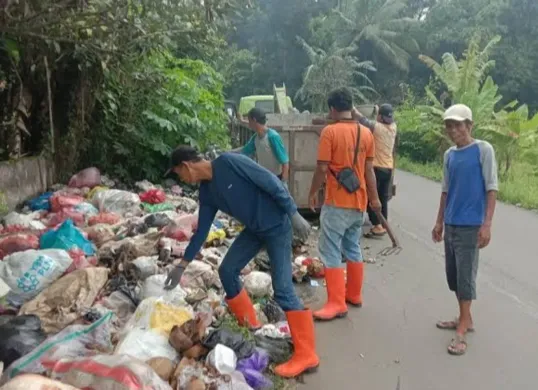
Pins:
x: 465, y: 215
x: 237, y: 186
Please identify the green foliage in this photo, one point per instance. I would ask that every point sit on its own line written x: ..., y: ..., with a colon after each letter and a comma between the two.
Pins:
x: 161, y: 103
x: 333, y: 69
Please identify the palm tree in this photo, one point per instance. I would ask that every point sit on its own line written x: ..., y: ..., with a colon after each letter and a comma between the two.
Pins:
x: 332, y: 69
x: 379, y: 22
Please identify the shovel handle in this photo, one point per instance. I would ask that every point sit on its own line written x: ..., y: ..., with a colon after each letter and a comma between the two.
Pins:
x: 385, y: 224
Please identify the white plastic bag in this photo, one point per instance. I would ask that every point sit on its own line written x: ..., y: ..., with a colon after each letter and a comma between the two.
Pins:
x: 223, y: 359
x: 30, y: 381
x: 153, y: 287
x: 159, y: 315
x: 258, y: 284
x: 146, y: 266
x: 124, y: 203
x: 107, y: 372
x: 30, y: 272
x: 200, y: 275
x: 73, y: 341
x: 146, y: 344
x: 28, y: 221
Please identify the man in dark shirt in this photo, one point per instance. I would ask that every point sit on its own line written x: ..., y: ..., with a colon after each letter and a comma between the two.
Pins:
x: 237, y: 186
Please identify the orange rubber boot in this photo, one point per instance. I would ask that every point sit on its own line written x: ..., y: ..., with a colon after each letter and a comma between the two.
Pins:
x: 355, y: 276
x: 336, y: 296
x: 242, y: 308
x: 304, y: 356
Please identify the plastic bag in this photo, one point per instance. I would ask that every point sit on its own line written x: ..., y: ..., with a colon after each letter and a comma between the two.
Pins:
x: 145, y: 266
x: 30, y: 381
x: 158, y: 221
x: 154, y: 287
x: 178, y: 233
x: 67, y: 237
x: 73, y: 341
x: 60, y: 201
x: 121, y: 305
x: 23, y: 221
x: 106, y: 372
x: 20, y: 336
x: 279, y: 350
x: 145, y: 344
x: 123, y: 203
x: 200, y: 275
x: 80, y: 261
x: 42, y: 202
x: 89, y: 177
x: 159, y: 315
x: 100, y: 234
x: 274, y: 312
x: 223, y: 359
x: 253, y: 367
x: 153, y: 196
x: 17, y: 243
x: 86, y: 209
x: 60, y: 217
x: 157, y: 208
x: 104, y: 218
x: 30, y: 272
x: 66, y: 300
x: 235, y: 341
x: 258, y: 284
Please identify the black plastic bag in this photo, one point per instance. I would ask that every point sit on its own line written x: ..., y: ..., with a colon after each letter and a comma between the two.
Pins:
x: 157, y: 221
x: 20, y: 336
x: 273, y: 312
x: 242, y: 348
x: 279, y: 350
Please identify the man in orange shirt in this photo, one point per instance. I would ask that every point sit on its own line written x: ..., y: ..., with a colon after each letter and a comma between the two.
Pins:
x: 342, y: 214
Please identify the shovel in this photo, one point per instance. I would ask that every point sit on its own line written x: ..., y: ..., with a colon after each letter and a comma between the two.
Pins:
x: 395, y: 249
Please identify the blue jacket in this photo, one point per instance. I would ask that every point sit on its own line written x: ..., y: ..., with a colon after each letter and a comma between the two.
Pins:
x: 245, y: 191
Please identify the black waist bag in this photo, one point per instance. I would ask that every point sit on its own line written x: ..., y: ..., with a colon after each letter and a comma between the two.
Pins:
x: 347, y: 178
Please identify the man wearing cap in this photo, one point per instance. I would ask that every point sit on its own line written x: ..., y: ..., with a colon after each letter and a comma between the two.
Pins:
x: 267, y: 146
x: 466, y: 209
x: 237, y: 186
x: 385, y: 132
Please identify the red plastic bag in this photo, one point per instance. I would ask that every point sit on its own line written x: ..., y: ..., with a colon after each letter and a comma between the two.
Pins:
x: 60, y: 217
x: 80, y: 261
x: 154, y: 196
x: 89, y: 177
x: 60, y: 201
x: 104, y: 218
x: 315, y: 267
x: 17, y: 243
x: 178, y: 233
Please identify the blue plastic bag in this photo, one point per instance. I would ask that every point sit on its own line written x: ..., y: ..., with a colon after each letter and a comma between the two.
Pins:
x: 42, y: 202
x: 66, y: 237
x: 252, y: 369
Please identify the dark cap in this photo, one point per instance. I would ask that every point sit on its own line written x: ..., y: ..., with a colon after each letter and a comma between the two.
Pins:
x: 183, y: 153
x: 387, y: 113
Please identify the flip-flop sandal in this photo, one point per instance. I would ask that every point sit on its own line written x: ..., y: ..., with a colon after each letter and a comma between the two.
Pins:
x: 450, y: 325
x: 458, y: 346
x: 372, y: 234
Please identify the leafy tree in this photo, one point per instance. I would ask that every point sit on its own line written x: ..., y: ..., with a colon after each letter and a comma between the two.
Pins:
x: 333, y: 69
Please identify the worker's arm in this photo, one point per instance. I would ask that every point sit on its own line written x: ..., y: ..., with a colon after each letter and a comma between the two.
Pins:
x: 437, y: 232
x: 325, y: 156
x: 319, y: 178
x: 280, y: 153
x: 359, y: 117
x: 206, y: 215
x: 249, y: 149
x: 491, y: 181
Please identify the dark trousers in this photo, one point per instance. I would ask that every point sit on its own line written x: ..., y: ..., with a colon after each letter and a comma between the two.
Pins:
x: 382, y: 176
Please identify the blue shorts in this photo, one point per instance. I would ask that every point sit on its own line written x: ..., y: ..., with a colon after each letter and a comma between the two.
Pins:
x: 340, y: 235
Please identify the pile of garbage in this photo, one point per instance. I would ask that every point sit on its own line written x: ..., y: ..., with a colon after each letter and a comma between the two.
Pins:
x: 82, y: 303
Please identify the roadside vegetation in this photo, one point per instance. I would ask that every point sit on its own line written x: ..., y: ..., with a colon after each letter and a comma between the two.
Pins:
x: 118, y: 84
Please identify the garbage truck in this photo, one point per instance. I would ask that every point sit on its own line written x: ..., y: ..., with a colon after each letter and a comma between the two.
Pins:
x: 300, y: 133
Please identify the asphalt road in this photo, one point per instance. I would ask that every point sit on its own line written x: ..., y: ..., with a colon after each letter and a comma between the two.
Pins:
x: 393, y: 337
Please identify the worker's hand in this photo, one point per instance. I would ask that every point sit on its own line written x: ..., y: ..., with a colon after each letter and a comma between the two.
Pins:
x: 175, y: 275
x: 484, y: 236
x: 437, y: 232
x: 301, y: 228
x: 313, y: 201
x: 375, y: 205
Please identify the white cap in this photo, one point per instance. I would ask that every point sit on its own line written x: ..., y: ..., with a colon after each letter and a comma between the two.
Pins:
x: 459, y: 113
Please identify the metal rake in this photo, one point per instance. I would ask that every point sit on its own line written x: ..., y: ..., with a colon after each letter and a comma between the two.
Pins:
x: 395, y: 249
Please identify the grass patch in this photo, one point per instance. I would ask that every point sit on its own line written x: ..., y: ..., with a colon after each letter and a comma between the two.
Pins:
x: 519, y: 188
